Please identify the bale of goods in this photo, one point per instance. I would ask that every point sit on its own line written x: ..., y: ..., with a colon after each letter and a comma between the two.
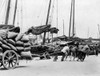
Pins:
x: 3, y: 33
x: 19, y: 43
x: 27, y: 49
x: 0, y: 43
x: 25, y: 38
x: 4, y: 41
x: 5, y: 47
x: 1, y: 50
x: 19, y: 36
x: 12, y: 47
x: 27, y: 44
x: 11, y: 41
x: 26, y: 55
x: 20, y: 49
x: 12, y: 35
x: 15, y: 29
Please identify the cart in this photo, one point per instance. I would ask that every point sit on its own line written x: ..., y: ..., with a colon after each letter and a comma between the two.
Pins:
x: 9, y: 59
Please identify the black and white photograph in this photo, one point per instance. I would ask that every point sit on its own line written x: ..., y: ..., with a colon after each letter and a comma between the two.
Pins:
x: 49, y: 37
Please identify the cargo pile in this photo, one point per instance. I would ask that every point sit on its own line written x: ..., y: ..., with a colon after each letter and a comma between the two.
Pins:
x: 10, y: 40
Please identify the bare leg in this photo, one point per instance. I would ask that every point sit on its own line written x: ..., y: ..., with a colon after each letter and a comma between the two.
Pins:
x: 55, y: 58
x: 63, y: 56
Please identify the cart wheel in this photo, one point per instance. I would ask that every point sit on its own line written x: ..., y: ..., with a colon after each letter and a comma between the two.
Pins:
x: 10, y: 59
x: 1, y: 63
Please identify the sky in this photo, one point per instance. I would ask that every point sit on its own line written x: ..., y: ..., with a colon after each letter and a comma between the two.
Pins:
x: 34, y: 12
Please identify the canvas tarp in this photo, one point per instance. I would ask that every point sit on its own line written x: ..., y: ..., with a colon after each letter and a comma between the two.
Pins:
x: 54, y: 30
x: 6, y: 26
x: 39, y: 30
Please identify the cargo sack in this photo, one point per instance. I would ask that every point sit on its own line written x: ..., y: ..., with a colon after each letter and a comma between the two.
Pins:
x: 27, y: 49
x: 19, y: 36
x: 26, y: 55
x: 25, y: 38
x: 11, y: 41
x: 5, y: 47
x: 0, y: 43
x: 12, y: 47
x: 27, y: 44
x: 1, y: 50
x: 3, y: 33
x: 12, y: 35
x: 15, y: 29
x: 20, y: 48
x: 3, y: 41
x: 19, y: 43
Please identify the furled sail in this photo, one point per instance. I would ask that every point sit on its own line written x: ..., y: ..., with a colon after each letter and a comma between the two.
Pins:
x: 6, y: 26
x: 39, y: 30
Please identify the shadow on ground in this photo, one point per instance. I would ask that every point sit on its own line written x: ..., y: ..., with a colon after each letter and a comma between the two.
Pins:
x: 2, y: 68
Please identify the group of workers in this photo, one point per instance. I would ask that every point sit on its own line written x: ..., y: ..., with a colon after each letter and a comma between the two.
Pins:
x: 77, y: 52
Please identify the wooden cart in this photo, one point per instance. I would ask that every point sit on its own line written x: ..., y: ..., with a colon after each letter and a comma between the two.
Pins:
x: 9, y: 59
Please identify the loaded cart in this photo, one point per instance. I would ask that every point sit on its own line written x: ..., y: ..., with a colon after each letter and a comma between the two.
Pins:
x: 13, y: 46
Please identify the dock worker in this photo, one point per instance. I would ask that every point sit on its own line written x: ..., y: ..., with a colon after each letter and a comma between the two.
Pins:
x: 64, y: 53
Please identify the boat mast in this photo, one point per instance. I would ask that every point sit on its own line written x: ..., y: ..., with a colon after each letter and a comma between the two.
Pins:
x: 8, y: 11
x: 47, y: 20
x: 63, y: 28
x: 57, y: 14
x: 72, y: 20
x: 73, y: 29
x: 99, y: 30
x: 15, y: 12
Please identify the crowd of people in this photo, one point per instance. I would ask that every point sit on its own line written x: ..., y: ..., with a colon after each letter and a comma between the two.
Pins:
x: 76, y: 51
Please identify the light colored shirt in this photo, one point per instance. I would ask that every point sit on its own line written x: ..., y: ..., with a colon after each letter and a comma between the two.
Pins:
x: 85, y: 48
x: 80, y: 47
x: 65, y: 49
